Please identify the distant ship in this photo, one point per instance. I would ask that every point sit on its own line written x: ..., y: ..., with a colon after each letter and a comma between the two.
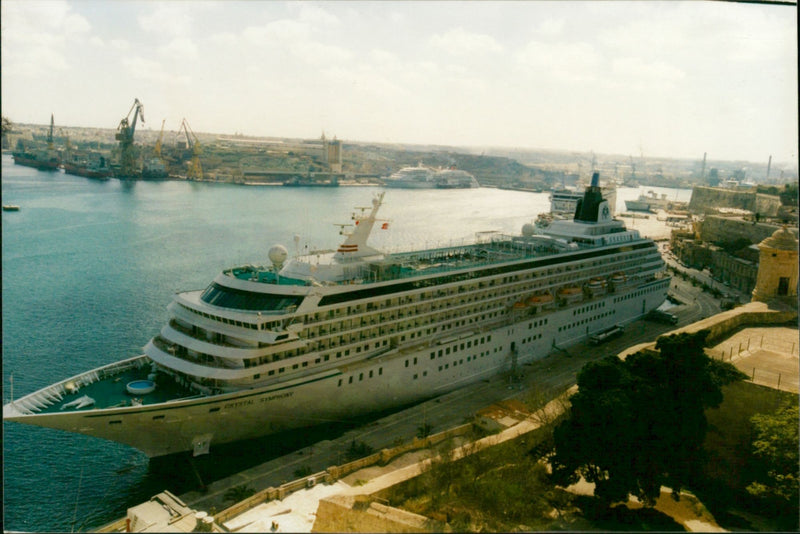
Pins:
x: 329, y: 335
x: 454, y: 179
x: 154, y: 169
x: 46, y: 160
x: 42, y: 160
x: 564, y: 201
x: 421, y: 177
x: 652, y: 202
x: 310, y: 181
x: 97, y: 169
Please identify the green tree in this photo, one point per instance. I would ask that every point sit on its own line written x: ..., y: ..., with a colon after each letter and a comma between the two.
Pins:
x: 638, y: 424
x: 775, y: 446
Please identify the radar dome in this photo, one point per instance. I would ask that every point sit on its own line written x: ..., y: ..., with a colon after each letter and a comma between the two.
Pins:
x: 278, y: 254
x: 528, y: 229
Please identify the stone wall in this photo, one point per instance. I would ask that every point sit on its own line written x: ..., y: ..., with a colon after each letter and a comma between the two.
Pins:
x: 358, y: 513
x: 727, y: 229
x: 708, y: 199
x: 723, y: 324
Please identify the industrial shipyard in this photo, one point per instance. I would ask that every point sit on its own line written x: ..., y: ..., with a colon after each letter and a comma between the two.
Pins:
x: 176, y: 152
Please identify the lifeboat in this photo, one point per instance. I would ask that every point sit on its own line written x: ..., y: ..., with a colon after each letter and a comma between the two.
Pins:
x: 619, y: 278
x: 538, y: 300
x: 519, y: 305
x: 570, y: 293
x: 596, y: 286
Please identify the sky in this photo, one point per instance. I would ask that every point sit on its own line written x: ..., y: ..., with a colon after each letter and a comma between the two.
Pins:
x: 654, y: 79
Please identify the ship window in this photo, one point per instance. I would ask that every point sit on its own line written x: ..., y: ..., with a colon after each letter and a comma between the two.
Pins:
x: 350, y: 380
x: 340, y: 382
x: 406, y: 363
x: 415, y: 376
x: 295, y: 366
x: 271, y: 372
x: 370, y: 374
x: 380, y: 370
x: 157, y: 417
x: 280, y: 370
x: 115, y: 422
x: 211, y: 410
x: 360, y: 377
x: 256, y: 376
x: 227, y: 297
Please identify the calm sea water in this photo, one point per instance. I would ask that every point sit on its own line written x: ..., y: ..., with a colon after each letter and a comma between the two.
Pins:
x: 89, y: 267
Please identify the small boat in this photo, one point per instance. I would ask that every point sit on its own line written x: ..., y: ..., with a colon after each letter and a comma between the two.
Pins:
x: 10, y: 207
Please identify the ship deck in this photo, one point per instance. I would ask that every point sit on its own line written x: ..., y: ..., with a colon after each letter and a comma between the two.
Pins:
x: 110, y: 391
x: 404, y: 265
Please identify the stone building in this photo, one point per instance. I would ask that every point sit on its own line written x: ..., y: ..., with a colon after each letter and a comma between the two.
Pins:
x: 778, y: 265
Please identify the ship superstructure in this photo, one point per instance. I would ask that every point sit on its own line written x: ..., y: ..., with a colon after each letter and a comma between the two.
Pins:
x: 333, y: 334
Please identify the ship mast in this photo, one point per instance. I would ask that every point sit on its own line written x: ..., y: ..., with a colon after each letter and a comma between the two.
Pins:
x: 355, y: 246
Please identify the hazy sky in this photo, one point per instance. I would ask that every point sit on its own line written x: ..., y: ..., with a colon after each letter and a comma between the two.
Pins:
x: 672, y: 79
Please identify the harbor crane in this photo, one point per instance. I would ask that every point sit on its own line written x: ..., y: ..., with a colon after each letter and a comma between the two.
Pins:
x: 157, y: 149
x: 125, y: 131
x: 155, y: 168
x: 195, y: 170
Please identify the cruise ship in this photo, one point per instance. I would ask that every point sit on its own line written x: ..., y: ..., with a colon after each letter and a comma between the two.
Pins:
x: 417, y: 177
x: 329, y: 335
x: 421, y: 177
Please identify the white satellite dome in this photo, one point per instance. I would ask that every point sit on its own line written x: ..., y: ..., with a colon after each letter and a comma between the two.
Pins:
x: 278, y: 254
x: 528, y: 229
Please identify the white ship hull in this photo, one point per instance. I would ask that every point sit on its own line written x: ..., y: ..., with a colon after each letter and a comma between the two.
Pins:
x: 377, y: 384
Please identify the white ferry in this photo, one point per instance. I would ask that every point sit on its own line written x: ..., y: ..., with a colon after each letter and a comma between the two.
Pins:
x: 652, y: 202
x: 330, y: 335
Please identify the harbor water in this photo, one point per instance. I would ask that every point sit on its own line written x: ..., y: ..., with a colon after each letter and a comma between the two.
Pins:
x: 89, y: 267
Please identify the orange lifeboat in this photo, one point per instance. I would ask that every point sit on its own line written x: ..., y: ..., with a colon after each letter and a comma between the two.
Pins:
x: 538, y: 300
x: 570, y: 293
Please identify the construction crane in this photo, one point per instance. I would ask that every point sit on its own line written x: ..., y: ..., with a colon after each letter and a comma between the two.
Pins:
x: 125, y: 131
x: 155, y: 168
x: 157, y: 149
x: 195, y: 170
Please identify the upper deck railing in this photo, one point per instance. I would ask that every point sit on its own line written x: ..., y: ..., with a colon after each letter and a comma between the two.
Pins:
x: 492, y: 250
